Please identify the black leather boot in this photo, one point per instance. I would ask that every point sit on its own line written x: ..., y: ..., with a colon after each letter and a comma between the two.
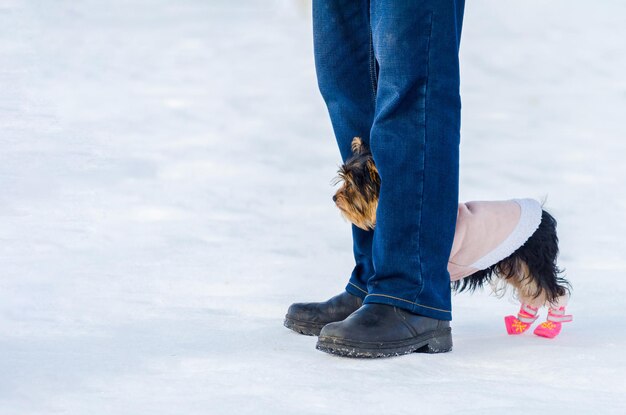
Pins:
x: 380, y: 330
x: 309, y: 318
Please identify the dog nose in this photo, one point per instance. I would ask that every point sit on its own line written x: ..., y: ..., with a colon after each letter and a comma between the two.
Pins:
x: 334, y: 198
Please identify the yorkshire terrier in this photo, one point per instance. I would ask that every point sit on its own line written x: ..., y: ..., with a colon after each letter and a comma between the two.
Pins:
x: 512, y: 241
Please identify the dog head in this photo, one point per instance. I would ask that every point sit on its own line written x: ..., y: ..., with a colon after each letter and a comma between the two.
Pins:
x: 357, y: 197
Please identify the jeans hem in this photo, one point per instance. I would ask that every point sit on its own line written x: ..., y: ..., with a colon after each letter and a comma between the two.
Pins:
x: 355, y: 290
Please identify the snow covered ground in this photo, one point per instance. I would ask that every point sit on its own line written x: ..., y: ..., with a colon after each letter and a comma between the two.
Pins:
x: 165, y: 192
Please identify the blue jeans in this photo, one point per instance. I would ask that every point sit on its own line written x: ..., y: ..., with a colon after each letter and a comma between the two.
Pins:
x: 388, y: 71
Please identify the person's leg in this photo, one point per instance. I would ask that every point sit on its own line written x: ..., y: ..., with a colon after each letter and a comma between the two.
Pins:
x: 346, y: 74
x: 415, y: 144
x: 414, y: 141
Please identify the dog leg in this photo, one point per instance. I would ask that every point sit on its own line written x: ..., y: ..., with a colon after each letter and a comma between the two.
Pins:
x: 556, y: 316
x: 525, y: 318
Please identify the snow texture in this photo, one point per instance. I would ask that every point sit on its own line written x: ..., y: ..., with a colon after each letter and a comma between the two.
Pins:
x: 165, y: 195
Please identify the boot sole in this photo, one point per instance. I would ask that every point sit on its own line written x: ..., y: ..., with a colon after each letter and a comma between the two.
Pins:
x: 439, y: 341
x: 303, y: 327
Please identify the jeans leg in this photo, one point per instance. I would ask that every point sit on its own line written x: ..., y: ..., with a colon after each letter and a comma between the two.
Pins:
x: 346, y: 75
x: 415, y: 143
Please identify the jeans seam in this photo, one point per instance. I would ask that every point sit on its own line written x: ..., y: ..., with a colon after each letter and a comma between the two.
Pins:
x: 411, y: 302
x: 419, y: 239
x: 372, y: 65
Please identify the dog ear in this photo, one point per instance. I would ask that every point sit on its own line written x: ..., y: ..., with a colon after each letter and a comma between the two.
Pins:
x: 371, y: 167
x: 357, y: 145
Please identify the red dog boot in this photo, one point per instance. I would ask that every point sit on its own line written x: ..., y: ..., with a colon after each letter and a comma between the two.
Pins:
x: 526, y: 316
x: 552, y: 326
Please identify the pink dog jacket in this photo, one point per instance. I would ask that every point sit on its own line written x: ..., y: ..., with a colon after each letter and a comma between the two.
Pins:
x: 488, y: 232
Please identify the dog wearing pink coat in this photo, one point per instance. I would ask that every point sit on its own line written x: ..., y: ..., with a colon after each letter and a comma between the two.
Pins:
x: 514, y: 241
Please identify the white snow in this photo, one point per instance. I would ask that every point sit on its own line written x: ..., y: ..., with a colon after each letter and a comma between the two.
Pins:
x: 165, y: 195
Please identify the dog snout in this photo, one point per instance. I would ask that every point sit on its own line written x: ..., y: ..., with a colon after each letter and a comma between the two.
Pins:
x: 335, y: 198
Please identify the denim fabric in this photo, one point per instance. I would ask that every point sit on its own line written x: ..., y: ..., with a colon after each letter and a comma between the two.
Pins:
x: 389, y: 73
